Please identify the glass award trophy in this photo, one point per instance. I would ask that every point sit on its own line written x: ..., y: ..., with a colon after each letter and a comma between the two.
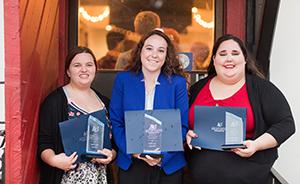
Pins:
x: 95, y: 137
x: 152, y: 136
x: 153, y: 132
x: 234, y: 132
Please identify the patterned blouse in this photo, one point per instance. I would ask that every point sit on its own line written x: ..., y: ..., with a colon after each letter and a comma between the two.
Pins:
x: 85, y: 172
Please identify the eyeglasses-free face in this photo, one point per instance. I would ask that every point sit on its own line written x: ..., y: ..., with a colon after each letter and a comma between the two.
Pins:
x: 153, y: 54
x: 82, y: 70
x: 229, y: 61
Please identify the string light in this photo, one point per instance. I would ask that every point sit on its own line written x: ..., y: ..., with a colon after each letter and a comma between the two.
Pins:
x: 108, y: 28
x: 200, y: 21
x: 106, y: 12
x: 94, y: 19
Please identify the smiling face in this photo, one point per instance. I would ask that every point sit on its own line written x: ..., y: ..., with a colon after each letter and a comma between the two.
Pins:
x: 82, y: 70
x: 153, y: 54
x: 229, y: 62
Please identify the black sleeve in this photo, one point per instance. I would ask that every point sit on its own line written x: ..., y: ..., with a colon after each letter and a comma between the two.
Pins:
x: 277, y: 113
x: 46, y: 139
x: 52, y: 111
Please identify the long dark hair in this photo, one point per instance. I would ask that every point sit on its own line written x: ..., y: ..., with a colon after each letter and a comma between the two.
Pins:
x: 250, y: 68
x: 171, y: 65
x: 78, y: 50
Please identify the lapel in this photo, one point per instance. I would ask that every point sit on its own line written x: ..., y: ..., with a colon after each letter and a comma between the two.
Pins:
x: 140, y: 98
x: 161, y: 91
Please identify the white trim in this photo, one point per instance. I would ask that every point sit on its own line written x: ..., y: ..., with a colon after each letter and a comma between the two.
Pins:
x: 1, y: 42
x: 2, y: 102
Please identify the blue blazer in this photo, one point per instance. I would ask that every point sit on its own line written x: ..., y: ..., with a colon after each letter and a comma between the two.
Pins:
x: 129, y: 94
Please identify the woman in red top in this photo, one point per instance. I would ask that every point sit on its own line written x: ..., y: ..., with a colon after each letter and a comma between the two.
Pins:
x: 233, y: 80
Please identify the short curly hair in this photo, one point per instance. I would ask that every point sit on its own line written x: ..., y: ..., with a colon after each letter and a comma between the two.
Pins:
x: 146, y: 21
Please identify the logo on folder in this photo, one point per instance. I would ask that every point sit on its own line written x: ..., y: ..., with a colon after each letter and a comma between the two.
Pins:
x: 219, y: 128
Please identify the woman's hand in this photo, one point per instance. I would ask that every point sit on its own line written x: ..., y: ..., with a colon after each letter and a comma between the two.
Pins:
x: 111, y: 154
x: 136, y: 156
x: 263, y: 142
x: 189, y: 136
x: 250, y: 149
x: 150, y: 160
x: 64, y: 162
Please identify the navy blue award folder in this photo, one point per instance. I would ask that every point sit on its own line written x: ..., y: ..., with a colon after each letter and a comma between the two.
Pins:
x: 219, y: 128
x: 153, y: 131
x: 74, y: 135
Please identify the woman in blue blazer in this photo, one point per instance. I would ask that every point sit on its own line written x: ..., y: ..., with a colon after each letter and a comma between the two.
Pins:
x: 154, y: 81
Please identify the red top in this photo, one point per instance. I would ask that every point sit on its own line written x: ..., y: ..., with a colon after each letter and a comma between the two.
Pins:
x: 239, y: 99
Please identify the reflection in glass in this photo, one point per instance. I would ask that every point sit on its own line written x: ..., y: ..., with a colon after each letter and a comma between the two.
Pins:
x: 107, y: 27
x: 95, y: 135
x: 234, y: 129
x: 152, y: 135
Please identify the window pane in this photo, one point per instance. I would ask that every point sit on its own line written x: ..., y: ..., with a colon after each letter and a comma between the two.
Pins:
x: 108, y: 28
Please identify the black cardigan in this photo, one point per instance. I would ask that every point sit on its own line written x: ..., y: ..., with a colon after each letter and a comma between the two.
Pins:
x: 53, y: 110
x: 272, y: 113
